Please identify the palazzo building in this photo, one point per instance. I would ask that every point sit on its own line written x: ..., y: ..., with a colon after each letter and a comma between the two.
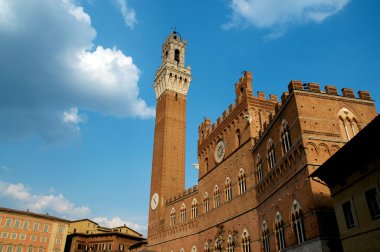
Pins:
x: 25, y: 231
x: 253, y: 191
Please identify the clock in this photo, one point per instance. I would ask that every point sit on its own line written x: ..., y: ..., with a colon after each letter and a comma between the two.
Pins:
x: 220, y: 150
x: 154, y: 201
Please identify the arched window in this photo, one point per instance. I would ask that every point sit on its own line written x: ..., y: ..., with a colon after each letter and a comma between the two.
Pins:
x: 259, y: 167
x: 238, y: 137
x: 285, y: 137
x: 245, y: 241
x: 194, y: 209
x: 230, y: 244
x: 271, y: 154
x: 216, y: 197
x: 183, y: 213
x: 218, y: 244
x: 242, y: 181
x: 265, y: 233
x: 280, y: 231
x: 182, y: 250
x: 297, y: 219
x: 194, y: 249
x: 228, y: 189
x: 205, y: 203
x: 172, y: 217
x: 348, y: 124
x: 207, y: 246
x: 176, y: 55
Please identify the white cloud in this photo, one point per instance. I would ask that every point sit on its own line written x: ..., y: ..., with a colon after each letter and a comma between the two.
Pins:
x: 49, y: 66
x: 4, y: 168
x: 118, y: 222
x: 280, y: 14
x: 129, y: 15
x: 72, y: 118
x: 55, y: 203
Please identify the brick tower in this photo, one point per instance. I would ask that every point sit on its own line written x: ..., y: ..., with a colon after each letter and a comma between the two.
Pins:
x: 172, y: 81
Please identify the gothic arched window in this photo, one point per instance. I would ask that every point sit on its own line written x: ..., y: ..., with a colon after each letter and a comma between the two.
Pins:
x: 172, y: 217
x: 207, y: 246
x: 205, y: 203
x: 285, y: 137
x: 194, y: 209
x: 245, y: 241
x: 297, y: 219
x: 183, y: 213
x: 265, y: 233
x: 271, y: 154
x: 280, y: 231
x: 242, y: 181
x: 230, y: 244
x: 228, y: 189
x: 259, y: 167
x: 216, y: 197
x: 348, y: 124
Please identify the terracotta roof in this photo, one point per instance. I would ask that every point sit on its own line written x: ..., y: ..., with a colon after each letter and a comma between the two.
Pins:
x: 32, y: 214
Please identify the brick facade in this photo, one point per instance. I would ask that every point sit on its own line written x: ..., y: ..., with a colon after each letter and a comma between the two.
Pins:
x: 254, y: 164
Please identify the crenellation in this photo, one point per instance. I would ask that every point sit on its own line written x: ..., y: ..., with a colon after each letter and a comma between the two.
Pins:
x: 261, y: 95
x: 314, y: 87
x: 218, y: 121
x: 231, y: 107
x: 364, y: 95
x: 332, y: 90
x: 225, y: 114
x: 295, y: 85
x: 273, y: 98
x: 182, y: 195
x: 348, y: 92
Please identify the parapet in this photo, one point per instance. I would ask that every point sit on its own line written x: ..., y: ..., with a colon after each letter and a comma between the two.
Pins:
x: 331, y: 90
x: 182, y: 195
x: 243, y: 88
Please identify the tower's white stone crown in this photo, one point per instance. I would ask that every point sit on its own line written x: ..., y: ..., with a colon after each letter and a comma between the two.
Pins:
x: 172, y: 74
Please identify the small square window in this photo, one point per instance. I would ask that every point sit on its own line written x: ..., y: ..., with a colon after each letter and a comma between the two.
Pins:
x: 4, y: 235
x: 13, y: 235
x: 373, y: 203
x: 22, y: 236
x: 349, y: 214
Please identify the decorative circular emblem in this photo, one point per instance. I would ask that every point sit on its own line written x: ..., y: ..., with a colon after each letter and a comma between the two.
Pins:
x: 154, y: 201
x: 220, y: 150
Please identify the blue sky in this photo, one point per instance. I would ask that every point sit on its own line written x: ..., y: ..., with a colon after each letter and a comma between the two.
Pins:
x: 77, y: 103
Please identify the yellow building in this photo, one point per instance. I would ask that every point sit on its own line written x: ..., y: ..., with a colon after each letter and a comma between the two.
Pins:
x: 85, y: 235
x: 24, y: 231
x: 353, y: 176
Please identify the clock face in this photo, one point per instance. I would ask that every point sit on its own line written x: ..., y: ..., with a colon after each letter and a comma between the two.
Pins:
x: 154, y: 201
x: 220, y: 150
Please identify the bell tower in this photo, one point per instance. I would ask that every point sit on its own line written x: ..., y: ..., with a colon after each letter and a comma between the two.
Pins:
x: 171, y: 84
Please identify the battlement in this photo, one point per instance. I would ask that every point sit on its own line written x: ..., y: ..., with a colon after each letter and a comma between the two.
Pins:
x: 243, y: 89
x: 182, y: 195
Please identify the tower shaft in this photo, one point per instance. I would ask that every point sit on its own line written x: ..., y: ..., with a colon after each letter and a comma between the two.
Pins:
x: 172, y: 81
